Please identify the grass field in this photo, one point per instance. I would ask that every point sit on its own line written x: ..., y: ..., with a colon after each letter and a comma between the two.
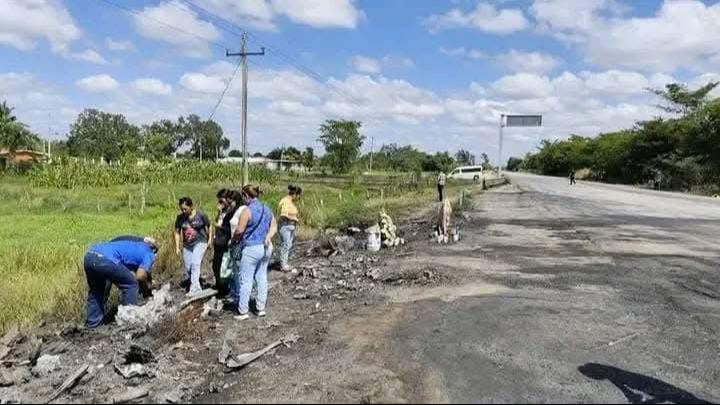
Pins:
x: 47, y: 231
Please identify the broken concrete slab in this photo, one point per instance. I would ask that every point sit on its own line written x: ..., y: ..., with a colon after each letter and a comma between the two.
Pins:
x: 46, y: 366
x: 149, y: 314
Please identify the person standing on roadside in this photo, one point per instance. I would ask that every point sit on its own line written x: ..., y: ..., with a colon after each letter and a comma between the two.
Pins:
x: 192, y: 234
x: 253, y: 244
x: 289, y: 222
x: 221, y: 239
x: 441, y: 182
x: 126, y: 262
x: 572, y: 177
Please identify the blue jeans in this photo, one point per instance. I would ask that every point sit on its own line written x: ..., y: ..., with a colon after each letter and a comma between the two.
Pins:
x: 193, y: 258
x: 101, y: 274
x: 287, y: 235
x: 253, y: 268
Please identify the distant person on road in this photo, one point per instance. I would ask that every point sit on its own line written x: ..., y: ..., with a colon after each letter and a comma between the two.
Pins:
x: 192, y: 234
x: 126, y: 262
x: 289, y: 222
x: 572, y: 177
x: 441, y: 182
x: 252, y: 246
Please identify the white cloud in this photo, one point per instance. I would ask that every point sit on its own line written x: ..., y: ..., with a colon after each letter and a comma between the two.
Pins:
x: 257, y: 13
x: 90, y: 56
x: 528, y: 62
x: 23, y: 23
x: 119, y: 46
x: 98, y: 84
x: 682, y: 33
x: 156, y: 22
x: 485, y: 17
x: 364, y: 64
x: 152, y: 86
x: 398, y: 62
x: 320, y: 13
x: 523, y: 86
x: 463, y: 52
x: 202, y: 83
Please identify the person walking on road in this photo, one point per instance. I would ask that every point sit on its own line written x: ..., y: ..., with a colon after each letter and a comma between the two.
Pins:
x: 192, y: 234
x: 572, y: 177
x: 126, y: 262
x: 289, y: 222
x: 252, y: 245
x: 441, y: 182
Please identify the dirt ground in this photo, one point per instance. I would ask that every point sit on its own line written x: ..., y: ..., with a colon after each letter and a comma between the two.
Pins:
x: 592, y: 294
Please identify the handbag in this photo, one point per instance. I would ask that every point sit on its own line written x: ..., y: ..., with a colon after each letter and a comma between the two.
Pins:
x: 227, y: 267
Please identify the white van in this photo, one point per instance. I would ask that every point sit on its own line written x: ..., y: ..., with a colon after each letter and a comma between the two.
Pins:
x: 474, y: 173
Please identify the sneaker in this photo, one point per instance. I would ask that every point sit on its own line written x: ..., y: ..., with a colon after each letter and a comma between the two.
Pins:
x: 242, y: 317
x: 262, y: 314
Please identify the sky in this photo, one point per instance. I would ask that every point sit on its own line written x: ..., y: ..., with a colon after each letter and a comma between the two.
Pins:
x: 429, y: 73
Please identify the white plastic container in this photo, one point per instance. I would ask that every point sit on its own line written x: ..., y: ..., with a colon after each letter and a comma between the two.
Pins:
x: 374, y: 239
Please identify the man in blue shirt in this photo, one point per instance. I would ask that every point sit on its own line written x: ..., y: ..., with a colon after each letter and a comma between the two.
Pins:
x: 125, y: 262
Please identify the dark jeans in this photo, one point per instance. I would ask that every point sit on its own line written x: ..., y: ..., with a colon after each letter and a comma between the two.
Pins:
x: 441, y: 193
x: 101, y: 274
x: 220, y: 285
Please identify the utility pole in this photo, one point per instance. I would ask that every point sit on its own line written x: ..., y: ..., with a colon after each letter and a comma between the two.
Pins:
x: 372, y: 150
x: 500, y: 143
x: 243, y: 54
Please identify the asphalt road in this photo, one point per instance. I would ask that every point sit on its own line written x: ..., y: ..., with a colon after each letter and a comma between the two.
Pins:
x: 556, y: 294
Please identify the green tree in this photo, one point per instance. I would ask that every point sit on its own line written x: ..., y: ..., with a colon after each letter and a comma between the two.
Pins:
x: 206, y: 138
x: 342, y: 141
x: 514, y: 164
x: 465, y: 158
x: 238, y: 154
x: 308, y: 158
x: 162, y: 139
x: 682, y: 100
x: 97, y: 134
x: 290, y: 153
x: 14, y: 135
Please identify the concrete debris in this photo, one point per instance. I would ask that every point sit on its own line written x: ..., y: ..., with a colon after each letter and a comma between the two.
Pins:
x: 5, y: 381
x: 131, y: 395
x: 149, y: 314
x: 46, y: 366
x: 132, y: 371
x: 70, y: 382
x: 238, y: 362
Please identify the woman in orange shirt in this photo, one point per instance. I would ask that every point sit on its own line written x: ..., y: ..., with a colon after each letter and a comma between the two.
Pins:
x: 289, y: 221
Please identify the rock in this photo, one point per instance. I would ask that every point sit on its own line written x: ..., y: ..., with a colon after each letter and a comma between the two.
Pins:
x: 173, y: 398
x: 5, y: 381
x: 46, y: 365
x: 149, y: 314
x: 374, y: 274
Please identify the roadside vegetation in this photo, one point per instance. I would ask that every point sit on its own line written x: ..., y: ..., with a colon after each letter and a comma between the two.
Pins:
x: 680, y: 153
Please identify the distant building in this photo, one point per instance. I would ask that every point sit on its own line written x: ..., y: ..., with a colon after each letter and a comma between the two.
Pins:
x: 21, y: 157
x: 271, y: 164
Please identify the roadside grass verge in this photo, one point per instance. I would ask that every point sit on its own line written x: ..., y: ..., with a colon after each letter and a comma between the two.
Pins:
x: 47, y: 232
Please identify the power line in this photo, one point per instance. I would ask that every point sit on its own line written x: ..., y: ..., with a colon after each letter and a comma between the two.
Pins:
x: 273, y: 50
x: 227, y: 86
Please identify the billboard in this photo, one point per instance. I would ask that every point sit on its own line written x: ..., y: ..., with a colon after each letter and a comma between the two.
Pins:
x: 523, y: 121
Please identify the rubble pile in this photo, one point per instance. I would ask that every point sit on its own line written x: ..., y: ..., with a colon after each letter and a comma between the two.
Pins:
x: 149, y: 314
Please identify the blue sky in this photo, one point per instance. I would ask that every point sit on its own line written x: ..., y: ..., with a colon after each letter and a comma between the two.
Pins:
x: 435, y: 74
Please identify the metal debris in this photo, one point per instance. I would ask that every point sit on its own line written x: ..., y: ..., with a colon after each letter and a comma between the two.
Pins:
x: 132, y: 371
x: 238, y: 362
